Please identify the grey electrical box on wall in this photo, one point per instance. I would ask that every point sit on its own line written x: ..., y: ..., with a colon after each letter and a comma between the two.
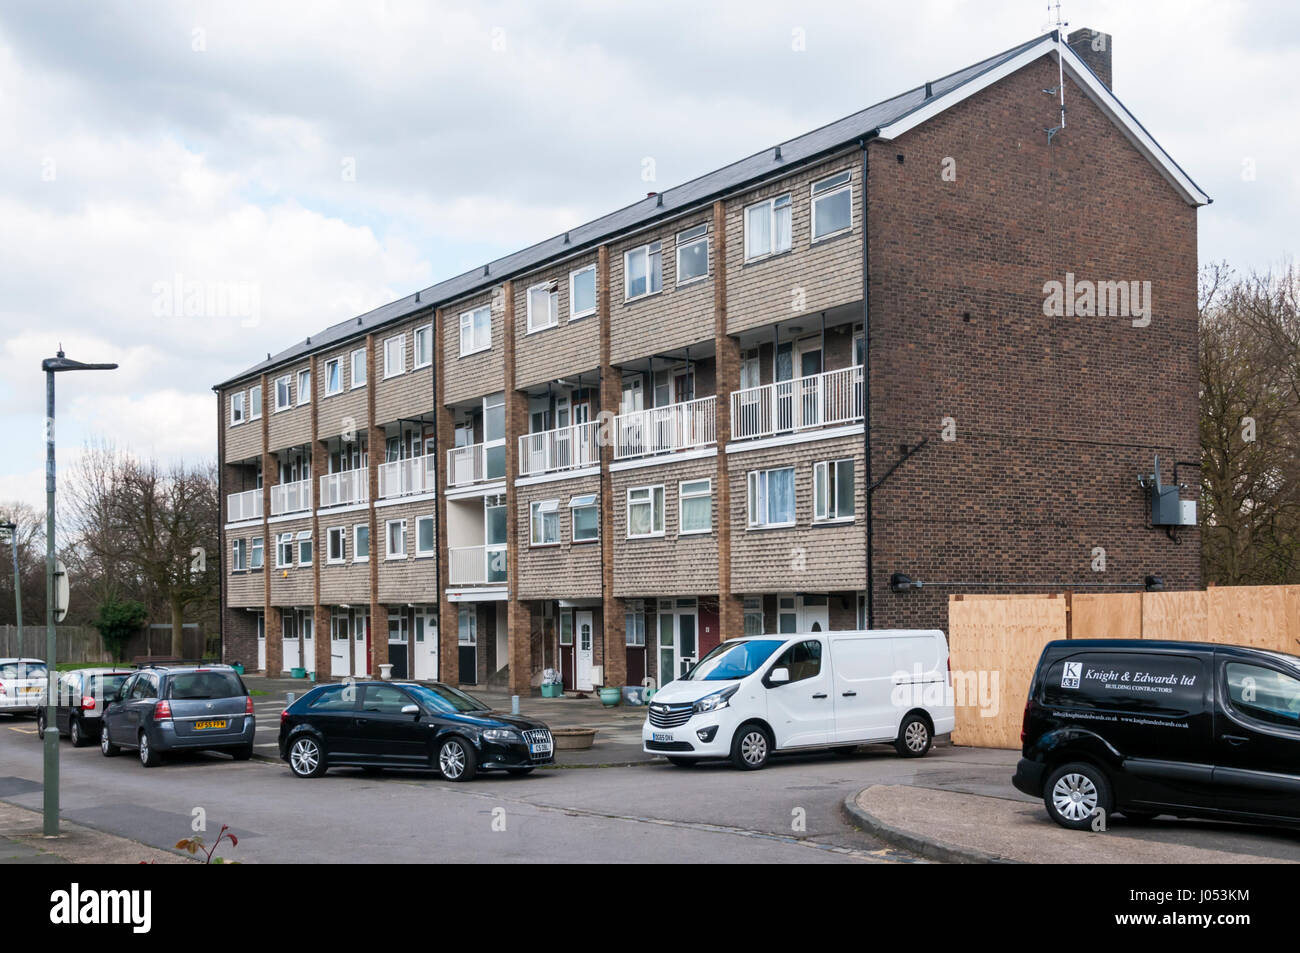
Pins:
x: 1166, y: 508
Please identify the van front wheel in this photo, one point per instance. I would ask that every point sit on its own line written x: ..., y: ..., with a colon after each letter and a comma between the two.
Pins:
x: 750, y: 748
x: 914, y: 737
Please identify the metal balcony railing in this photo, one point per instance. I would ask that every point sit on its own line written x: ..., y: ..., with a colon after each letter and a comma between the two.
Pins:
x: 407, y: 477
x: 476, y: 565
x: 476, y: 463
x: 244, y: 506
x: 565, y: 448
x: 346, y: 486
x: 681, y: 426
x: 804, y: 403
x: 290, y: 497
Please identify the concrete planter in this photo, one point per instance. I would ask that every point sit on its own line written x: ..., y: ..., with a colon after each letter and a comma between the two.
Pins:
x: 573, y: 739
x: 609, y: 697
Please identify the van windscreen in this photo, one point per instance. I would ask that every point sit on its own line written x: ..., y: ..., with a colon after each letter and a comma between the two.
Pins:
x: 733, y: 660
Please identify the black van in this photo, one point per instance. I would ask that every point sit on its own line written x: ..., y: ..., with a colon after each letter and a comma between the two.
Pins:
x: 1145, y: 728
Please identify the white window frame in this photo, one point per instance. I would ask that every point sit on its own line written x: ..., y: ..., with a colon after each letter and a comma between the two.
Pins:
x: 573, y: 297
x: 585, y: 501
x: 687, y: 238
x: 255, y: 406
x: 304, y: 392
x: 648, y: 249
x: 752, y: 481
x: 823, y: 504
x: 238, y: 409
x: 281, y: 541
x: 543, y: 508
x: 426, y: 334
x: 401, y: 356
x: 656, y: 524
x: 552, y: 317
x: 753, y: 608
x: 304, y: 538
x: 341, y: 534
x: 358, y: 353
x: 683, y: 494
x: 771, y: 206
x: 287, y: 381
x: 433, y: 549
x: 468, y: 322
x: 389, y: 553
x: 356, y: 530
x: 239, y: 555
x: 634, y: 628
x: 831, y: 185
x: 256, y: 553
x: 336, y: 366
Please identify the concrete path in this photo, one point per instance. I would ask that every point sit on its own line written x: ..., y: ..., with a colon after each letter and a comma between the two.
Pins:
x: 21, y: 842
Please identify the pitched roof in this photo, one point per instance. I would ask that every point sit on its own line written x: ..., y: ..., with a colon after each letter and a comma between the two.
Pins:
x: 886, y: 120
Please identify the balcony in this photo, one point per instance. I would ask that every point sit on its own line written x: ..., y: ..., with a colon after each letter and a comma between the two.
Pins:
x: 347, y: 486
x: 476, y: 463
x: 244, y: 506
x: 291, y: 498
x: 682, y: 426
x: 407, y: 477
x: 565, y: 448
x: 804, y: 403
x: 477, y: 566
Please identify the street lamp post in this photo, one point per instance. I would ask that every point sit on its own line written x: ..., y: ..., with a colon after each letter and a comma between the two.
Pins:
x: 52, y: 366
x: 12, y: 530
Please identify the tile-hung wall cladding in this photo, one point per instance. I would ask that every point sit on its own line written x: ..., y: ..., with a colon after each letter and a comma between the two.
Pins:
x: 341, y: 391
x: 243, y: 430
x: 676, y: 563
x: 291, y: 424
x: 409, y: 531
x: 570, y: 567
x: 822, y: 551
x: 482, y: 369
x: 403, y: 369
x: 680, y: 313
x: 560, y: 336
x: 291, y: 584
x: 244, y: 586
x: 344, y: 564
x: 790, y: 273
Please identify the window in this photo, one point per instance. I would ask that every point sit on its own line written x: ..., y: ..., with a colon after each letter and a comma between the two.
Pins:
x: 692, y: 254
x: 237, y: 408
x: 304, y: 386
x: 771, y: 497
x: 833, y: 490
x: 255, y: 554
x: 238, y: 555
x: 1263, y: 694
x: 284, y: 550
x: 643, y: 271
x: 333, y: 377
x: 304, y: 548
x: 359, y: 367
x: 476, y: 330
x: 282, y: 400
x: 695, y: 510
x: 361, y: 543
x: 467, y: 625
x: 425, y: 544
x: 753, y: 615
x: 395, y: 356
x: 582, y: 292
x: 832, y: 206
x: 424, y: 346
x: 255, y: 402
x: 546, y: 522
x: 334, y: 698
x: 396, y: 533
x: 385, y: 699
x: 543, y: 306
x: 767, y: 228
x: 338, y: 545
x: 566, y: 626
x: 586, y: 518
x: 803, y: 660
x: 645, y: 511
x: 635, y: 628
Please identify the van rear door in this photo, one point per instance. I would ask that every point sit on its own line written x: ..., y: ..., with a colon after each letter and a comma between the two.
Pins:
x: 864, y: 666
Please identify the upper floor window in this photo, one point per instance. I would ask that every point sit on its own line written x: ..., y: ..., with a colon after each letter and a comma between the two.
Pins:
x: 585, y: 514
x: 771, y: 497
x: 543, y: 306
x: 284, y: 550
x: 333, y: 377
x: 395, y: 356
x: 237, y: 408
x: 695, y: 512
x: 476, y: 330
x: 304, y: 386
x: 643, y: 271
x: 396, y: 532
x: 255, y: 402
x: 304, y: 548
x: 255, y: 554
x: 359, y: 367
x: 361, y: 543
x: 582, y: 292
x: 425, y: 544
x: 645, y: 511
x: 282, y: 393
x: 833, y: 490
x: 693, y: 254
x: 546, y: 522
x: 238, y: 555
x: 767, y: 228
x: 338, y: 544
x: 424, y: 346
x: 832, y: 206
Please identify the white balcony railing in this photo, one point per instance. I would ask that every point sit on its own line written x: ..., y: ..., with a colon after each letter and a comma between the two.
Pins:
x: 290, y: 497
x: 818, y: 400
x: 346, y: 486
x: 565, y: 448
x: 476, y: 565
x: 406, y: 477
x: 692, y: 423
x: 244, y: 506
x: 476, y: 463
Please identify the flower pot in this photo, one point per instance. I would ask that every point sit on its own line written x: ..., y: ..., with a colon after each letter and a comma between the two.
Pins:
x: 609, y: 696
x: 573, y: 739
x: 552, y: 691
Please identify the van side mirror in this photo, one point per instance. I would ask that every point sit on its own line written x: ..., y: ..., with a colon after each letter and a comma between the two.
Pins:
x: 779, y: 676
x: 410, y: 709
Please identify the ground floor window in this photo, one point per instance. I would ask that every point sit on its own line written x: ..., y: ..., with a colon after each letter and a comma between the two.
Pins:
x: 753, y: 615
x: 467, y: 625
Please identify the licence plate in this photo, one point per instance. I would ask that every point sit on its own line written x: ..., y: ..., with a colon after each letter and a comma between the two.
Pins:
x: 660, y: 736
x: 201, y: 725
x: 539, y: 749
x: 31, y: 689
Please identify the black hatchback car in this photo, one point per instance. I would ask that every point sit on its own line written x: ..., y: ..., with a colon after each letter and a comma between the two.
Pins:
x: 1142, y: 728
x: 406, y: 725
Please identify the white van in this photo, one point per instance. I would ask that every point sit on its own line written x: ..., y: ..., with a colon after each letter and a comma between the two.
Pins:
x: 764, y: 693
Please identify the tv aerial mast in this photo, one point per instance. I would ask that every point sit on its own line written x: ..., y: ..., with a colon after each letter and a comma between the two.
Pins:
x: 1059, y: 26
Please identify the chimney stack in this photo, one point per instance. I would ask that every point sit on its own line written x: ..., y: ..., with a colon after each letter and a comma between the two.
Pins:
x: 1094, y: 48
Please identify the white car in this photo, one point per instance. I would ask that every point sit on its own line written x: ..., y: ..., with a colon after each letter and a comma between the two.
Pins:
x: 752, y: 696
x: 22, y: 685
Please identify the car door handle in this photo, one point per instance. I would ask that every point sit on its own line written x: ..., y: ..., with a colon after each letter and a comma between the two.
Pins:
x: 848, y: 694
x: 820, y: 695
x: 1235, y: 740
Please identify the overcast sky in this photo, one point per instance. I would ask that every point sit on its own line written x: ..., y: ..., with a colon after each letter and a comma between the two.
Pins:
x: 333, y: 156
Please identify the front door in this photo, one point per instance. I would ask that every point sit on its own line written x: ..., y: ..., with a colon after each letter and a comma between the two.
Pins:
x: 361, y: 644
x: 801, y: 711
x: 261, y: 642
x: 814, y: 613
x: 586, y: 650
x: 424, y: 647
x: 307, y: 640
x: 467, y: 640
x: 678, y: 638
x: 289, y: 641
x: 397, y: 642
x: 340, y: 635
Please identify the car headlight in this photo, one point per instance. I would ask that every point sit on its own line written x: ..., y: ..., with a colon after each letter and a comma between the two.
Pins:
x: 715, y: 701
x: 504, y: 735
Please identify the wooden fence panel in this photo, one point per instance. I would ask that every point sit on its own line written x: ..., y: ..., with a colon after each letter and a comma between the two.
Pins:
x: 1262, y: 617
x: 1096, y: 615
x: 1180, y: 616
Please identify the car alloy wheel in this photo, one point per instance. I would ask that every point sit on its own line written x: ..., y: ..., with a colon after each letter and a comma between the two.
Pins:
x: 1075, y: 797
x: 917, y: 738
x: 304, y: 757
x: 753, y: 747
x: 74, y: 733
x: 40, y: 725
x: 451, y: 760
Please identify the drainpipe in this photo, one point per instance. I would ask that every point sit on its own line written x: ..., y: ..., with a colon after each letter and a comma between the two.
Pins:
x: 866, y: 389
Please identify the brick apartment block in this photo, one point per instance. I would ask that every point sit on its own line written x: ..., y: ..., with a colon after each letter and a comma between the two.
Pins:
x: 606, y: 452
